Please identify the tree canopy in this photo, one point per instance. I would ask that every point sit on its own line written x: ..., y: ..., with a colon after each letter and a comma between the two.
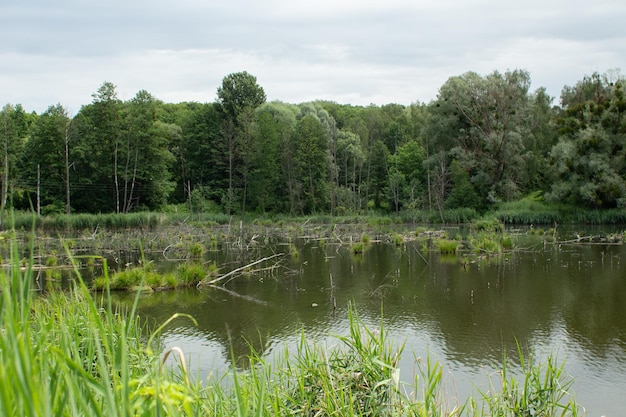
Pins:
x: 484, y: 140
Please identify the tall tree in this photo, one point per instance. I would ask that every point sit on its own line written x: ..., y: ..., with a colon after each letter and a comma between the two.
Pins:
x: 13, y: 129
x: 46, y: 159
x: 146, y: 170
x: 237, y: 98
x: 350, y: 160
x: 589, y: 161
x: 200, y: 162
x: 272, y: 185
x: 311, y: 155
x: 488, y: 119
x: 99, y: 131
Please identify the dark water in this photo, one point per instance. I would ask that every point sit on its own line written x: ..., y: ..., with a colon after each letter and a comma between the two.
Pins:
x: 568, y: 300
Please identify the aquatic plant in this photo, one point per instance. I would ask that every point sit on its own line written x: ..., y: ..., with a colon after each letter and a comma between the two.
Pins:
x: 195, y: 250
x: 358, y: 248
x: 447, y: 246
x: 397, y: 239
x: 487, y: 225
x: 146, y: 277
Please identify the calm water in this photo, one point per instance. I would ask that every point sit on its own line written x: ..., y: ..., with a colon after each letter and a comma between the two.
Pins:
x: 568, y: 299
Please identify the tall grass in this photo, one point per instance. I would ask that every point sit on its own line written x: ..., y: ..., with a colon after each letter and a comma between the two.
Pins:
x: 82, y: 221
x: 68, y: 354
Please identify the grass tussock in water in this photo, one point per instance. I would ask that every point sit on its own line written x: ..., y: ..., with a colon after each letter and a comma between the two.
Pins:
x: 146, y: 277
x: 73, y: 353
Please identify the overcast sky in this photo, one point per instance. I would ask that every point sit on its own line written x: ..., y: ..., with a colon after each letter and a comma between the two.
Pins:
x: 352, y: 52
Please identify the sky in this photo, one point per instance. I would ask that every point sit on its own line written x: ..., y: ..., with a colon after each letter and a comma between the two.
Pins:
x: 357, y: 52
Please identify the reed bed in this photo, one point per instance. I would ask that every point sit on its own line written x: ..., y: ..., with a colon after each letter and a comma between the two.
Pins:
x: 74, y: 353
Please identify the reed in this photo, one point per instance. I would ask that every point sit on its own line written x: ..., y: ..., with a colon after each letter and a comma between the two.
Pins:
x: 541, y: 390
x: 447, y: 246
x: 68, y: 354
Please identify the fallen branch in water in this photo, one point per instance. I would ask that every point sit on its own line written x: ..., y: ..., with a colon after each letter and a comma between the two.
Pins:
x: 237, y: 270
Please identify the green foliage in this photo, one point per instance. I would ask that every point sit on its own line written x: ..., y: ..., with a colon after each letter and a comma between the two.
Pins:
x: 543, y: 391
x: 71, y: 355
x: 486, y: 243
x: 463, y: 194
x: 397, y: 239
x: 447, y: 246
x: 195, y: 250
x: 85, y: 221
x: 311, y: 145
x: 529, y: 210
x: 239, y: 91
x: 487, y: 225
x: 358, y: 248
x: 484, y: 142
x: 191, y: 273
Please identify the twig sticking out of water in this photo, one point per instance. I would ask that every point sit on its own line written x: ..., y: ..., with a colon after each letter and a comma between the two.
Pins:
x: 238, y: 270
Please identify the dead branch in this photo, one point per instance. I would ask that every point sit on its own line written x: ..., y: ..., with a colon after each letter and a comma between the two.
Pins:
x: 237, y: 270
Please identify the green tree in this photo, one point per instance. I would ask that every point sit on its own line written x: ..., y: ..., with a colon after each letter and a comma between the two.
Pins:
x: 14, y: 125
x: 463, y: 194
x: 237, y: 98
x: 145, y: 158
x: 46, y: 159
x: 589, y: 161
x: 379, y: 172
x: 272, y: 187
x: 99, y: 130
x: 199, y: 152
x: 350, y: 160
x: 487, y: 117
x: 407, y: 167
x: 311, y: 159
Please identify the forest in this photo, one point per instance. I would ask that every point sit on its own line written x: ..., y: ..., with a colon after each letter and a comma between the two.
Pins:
x: 484, y: 141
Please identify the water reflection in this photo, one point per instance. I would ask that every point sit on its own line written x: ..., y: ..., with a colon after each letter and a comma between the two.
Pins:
x: 569, y: 300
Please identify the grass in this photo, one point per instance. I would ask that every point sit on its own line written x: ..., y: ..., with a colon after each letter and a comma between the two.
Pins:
x: 74, y: 353
x: 447, y: 246
x: 146, y: 277
x: 68, y: 354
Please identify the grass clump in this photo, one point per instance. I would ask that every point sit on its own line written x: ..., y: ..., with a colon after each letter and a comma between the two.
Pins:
x: 542, y: 391
x: 145, y: 277
x: 447, y: 246
x: 492, y: 225
x: 358, y: 248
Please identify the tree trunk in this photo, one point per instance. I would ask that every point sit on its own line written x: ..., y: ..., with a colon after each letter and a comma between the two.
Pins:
x: 67, y: 169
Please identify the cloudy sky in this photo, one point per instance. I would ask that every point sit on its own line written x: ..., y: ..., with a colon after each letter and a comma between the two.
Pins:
x: 348, y: 51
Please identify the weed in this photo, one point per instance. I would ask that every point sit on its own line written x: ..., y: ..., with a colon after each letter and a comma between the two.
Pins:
x: 447, y: 246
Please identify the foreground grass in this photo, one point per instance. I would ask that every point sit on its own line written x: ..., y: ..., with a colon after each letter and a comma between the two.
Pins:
x: 70, y: 354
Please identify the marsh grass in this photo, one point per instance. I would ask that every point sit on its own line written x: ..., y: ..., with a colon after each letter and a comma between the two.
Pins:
x: 540, y: 390
x: 68, y: 354
x: 146, y: 277
x: 447, y: 246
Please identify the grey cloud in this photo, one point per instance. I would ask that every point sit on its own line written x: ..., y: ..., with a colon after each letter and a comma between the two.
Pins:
x: 391, y: 50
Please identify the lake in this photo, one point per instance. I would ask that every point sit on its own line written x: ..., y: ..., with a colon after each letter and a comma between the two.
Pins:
x: 465, y: 311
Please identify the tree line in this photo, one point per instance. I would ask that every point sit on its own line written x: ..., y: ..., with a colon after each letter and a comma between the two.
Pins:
x: 484, y: 140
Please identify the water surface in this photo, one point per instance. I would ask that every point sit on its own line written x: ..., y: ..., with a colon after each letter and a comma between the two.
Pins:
x: 466, y: 312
